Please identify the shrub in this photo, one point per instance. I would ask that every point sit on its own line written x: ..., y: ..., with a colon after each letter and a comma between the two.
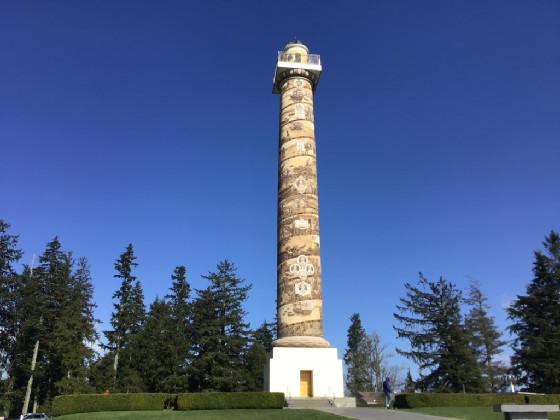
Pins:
x: 83, y: 403
x: 228, y: 400
x: 432, y: 399
x: 544, y: 399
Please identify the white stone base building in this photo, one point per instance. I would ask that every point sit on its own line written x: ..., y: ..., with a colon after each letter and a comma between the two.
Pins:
x: 305, y: 372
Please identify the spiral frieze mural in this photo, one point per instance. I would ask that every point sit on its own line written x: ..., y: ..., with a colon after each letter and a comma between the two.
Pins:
x: 300, y: 304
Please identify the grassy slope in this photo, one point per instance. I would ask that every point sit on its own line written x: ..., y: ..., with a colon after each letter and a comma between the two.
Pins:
x: 206, y: 415
x: 469, y: 413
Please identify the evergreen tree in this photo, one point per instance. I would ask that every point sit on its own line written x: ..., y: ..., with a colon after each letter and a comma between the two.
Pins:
x: 76, y: 332
x: 30, y: 330
x: 257, y: 355
x: 57, y: 309
x: 54, y: 274
x: 101, y: 373
x: 181, y: 314
x: 357, y: 358
x: 179, y: 297
x: 430, y: 319
x: 127, y: 320
x: 265, y: 335
x: 485, y: 339
x: 138, y: 309
x: 409, y: 384
x: 156, y: 343
x: 9, y: 252
x: 9, y: 293
x: 220, y: 332
x: 10, y: 296
x: 536, y: 323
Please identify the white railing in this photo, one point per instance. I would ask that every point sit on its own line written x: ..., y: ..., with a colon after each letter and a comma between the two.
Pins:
x: 299, y: 58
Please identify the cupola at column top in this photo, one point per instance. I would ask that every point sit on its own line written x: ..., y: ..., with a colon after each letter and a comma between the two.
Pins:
x: 295, y: 56
x: 295, y: 46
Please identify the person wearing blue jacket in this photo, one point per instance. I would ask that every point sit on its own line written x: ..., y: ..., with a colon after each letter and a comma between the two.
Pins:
x: 388, y: 391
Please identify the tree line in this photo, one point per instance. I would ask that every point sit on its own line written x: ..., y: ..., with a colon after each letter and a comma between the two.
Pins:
x: 455, y: 343
x: 199, y: 340
x: 188, y: 340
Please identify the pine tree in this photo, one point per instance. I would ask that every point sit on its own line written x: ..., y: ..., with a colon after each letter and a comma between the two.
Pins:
x: 29, y: 330
x: 54, y: 274
x: 101, y: 372
x: 10, y: 297
x: 181, y: 314
x: 155, y: 361
x: 536, y: 323
x: 180, y: 295
x: 206, y: 345
x: 220, y: 332
x: 430, y: 319
x: 409, y: 384
x: 257, y: 355
x: 45, y: 296
x: 55, y: 312
x: 357, y: 358
x: 484, y: 337
x: 76, y: 329
x: 127, y: 320
x: 265, y: 335
x: 9, y: 293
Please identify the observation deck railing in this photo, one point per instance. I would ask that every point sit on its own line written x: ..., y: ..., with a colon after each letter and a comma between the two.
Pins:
x: 284, y: 57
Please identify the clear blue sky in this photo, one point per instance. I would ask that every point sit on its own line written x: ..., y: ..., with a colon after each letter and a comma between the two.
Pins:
x: 438, y: 139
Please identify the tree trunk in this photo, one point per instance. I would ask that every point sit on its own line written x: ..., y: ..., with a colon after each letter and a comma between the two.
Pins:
x: 30, y: 382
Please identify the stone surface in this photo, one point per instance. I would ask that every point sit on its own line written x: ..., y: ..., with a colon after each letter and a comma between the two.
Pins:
x: 308, y: 403
x: 378, y: 414
x: 373, y: 397
x: 346, y: 402
x: 526, y: 411
x: 526, y: 408
x: 300, y: 355
x: 320, y: 402
x: 301, y: 341
x: 299, y: 293
x: 282, y: 373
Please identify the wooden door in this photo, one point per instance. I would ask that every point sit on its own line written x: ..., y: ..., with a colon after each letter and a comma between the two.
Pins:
x: 306, y: 383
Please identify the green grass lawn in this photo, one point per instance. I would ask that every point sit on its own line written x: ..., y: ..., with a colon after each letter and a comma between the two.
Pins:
x: 207, y: 415
x: 469, y: 413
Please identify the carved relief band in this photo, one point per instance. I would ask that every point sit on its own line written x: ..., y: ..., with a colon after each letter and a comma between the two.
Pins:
x: 300, y: 304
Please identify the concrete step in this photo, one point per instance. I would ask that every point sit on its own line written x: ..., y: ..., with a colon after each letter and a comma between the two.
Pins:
x: 345, y: 402
x: 309, y: 402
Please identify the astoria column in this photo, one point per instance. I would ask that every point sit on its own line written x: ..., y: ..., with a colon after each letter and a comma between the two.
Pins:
x: 299, y: 296
x: 301, y: 363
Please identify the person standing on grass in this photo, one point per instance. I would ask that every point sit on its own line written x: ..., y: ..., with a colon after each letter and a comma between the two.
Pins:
x: 388, y: 391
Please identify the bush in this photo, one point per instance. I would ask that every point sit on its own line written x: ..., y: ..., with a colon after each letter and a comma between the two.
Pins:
x: 544, y: 399
x: 228, y: 400
x: 432, y: 399
x: 84, y: 403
